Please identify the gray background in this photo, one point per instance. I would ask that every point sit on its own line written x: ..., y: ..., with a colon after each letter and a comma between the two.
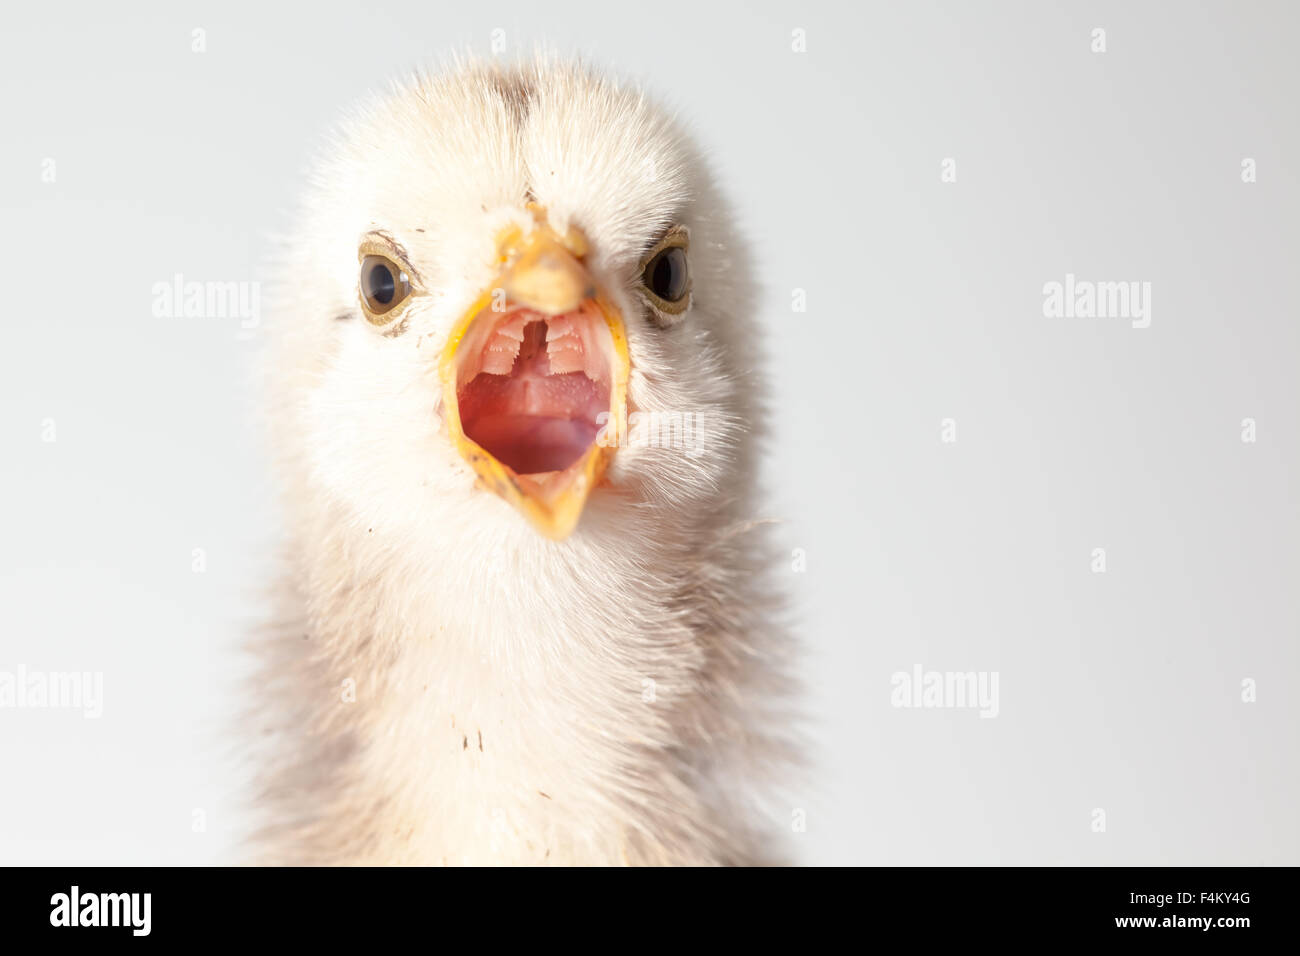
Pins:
x: 1118, y: 691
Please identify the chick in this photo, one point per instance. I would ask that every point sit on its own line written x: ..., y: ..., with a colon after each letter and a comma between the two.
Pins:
x: 511, y: 394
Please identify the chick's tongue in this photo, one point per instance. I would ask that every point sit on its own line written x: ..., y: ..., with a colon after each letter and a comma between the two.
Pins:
x: 530, y: 420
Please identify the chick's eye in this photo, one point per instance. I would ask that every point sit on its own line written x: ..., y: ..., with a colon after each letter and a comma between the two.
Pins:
x: 667, y: 276
x: 384, y: 286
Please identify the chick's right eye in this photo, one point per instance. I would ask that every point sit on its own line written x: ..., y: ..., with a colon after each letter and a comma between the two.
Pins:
x: 384, y: 286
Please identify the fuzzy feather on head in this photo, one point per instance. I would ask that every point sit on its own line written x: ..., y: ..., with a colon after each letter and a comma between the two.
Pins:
x: 512, y: 394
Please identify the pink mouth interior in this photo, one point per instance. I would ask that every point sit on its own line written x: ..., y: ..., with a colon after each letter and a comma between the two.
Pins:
x: 530, y: 386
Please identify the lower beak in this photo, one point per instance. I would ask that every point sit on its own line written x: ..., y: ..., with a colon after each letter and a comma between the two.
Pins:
x: 534, y: 383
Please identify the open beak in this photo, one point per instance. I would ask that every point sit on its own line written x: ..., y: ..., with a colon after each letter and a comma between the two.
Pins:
x: 534, y: 380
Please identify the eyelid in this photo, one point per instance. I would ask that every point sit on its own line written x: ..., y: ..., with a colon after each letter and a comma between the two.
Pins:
x: 678, y: 236
x: 382, y: 244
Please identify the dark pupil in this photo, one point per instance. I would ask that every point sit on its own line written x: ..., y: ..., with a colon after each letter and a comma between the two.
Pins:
x: 382, y: 285
x: 668, y: 275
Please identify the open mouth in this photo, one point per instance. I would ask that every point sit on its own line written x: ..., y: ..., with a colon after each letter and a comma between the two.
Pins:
x: 535, y: 387
x: 532, y: 388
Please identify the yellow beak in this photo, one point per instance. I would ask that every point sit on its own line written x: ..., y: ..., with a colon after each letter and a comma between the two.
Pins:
x: 544, y: 273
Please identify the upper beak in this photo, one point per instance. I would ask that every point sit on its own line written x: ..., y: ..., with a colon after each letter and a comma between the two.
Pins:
x: 542, y: 277
x: 547, y: 277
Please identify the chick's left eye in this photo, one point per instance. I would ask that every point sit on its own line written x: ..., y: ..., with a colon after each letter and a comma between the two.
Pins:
x: 667, y: 276
x: 384, y: 285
